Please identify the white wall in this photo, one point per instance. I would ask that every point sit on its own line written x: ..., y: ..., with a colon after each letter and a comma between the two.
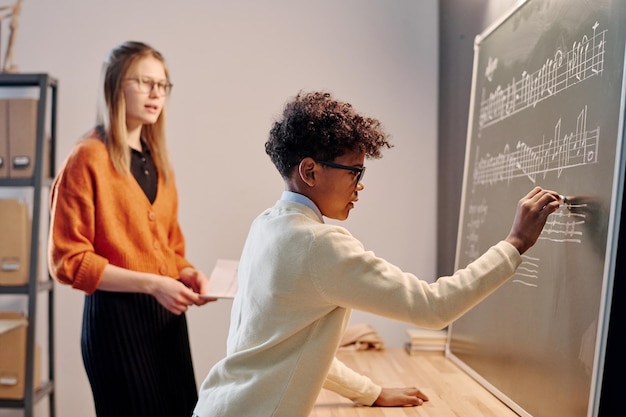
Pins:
x: 233, y: 65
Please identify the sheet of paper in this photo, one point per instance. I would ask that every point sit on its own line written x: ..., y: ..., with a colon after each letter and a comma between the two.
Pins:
x: 223, y: 279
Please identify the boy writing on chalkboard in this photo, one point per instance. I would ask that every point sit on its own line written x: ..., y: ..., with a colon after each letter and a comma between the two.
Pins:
x: 299, y: 278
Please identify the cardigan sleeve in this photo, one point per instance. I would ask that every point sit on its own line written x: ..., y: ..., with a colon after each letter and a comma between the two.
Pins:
x: 350, y: 384
x: 72, y: 259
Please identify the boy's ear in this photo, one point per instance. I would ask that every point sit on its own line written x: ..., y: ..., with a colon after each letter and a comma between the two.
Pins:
x: 306, y: 170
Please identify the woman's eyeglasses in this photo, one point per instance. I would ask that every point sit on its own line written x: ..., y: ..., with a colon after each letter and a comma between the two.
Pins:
x: 146, y: 85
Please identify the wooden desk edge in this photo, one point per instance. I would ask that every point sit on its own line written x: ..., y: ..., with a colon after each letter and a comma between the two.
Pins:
x: 451, y: 391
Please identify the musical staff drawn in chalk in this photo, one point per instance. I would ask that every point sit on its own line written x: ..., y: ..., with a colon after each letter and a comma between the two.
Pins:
x: 565, y: 69
x: 528, y: 272
x: 565, y: 224
x: 576, y: 148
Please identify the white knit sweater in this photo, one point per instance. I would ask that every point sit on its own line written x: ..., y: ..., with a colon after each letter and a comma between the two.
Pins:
x: 299, y: 279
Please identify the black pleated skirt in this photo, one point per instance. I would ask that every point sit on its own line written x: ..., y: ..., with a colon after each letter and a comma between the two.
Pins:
x: 137, y: 357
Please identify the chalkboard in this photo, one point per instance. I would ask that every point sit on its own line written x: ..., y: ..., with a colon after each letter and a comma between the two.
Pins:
x: 547, y: 108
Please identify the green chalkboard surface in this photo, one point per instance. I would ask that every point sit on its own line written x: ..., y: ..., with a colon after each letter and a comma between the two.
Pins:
x: 547, y: 108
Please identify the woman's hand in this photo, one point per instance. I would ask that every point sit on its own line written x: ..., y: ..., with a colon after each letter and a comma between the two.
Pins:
x: 198, y: 282
x: 174, y: 295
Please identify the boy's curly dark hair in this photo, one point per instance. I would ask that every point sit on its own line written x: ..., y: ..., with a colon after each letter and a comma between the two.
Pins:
x: 318, y: 126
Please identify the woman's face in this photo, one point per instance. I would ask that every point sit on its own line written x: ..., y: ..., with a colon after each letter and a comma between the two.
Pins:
x: 145, y: 90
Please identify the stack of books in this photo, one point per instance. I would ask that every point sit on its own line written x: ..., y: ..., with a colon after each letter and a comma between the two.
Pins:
x: 425, y: 340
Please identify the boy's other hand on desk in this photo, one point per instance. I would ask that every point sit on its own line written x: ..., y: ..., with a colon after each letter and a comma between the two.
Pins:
x: 399, y: 397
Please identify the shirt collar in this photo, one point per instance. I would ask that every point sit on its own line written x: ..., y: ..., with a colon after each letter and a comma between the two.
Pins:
x: 144, y: 148
x: 301, y: 199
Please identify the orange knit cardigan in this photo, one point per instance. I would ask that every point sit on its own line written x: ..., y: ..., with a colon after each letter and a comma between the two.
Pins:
x: 99, y: 216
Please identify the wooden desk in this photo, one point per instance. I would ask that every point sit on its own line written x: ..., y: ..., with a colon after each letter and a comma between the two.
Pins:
x: 452, y: 392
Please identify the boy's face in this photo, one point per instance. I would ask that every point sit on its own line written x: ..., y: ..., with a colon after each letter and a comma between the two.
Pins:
x: 336, y: 189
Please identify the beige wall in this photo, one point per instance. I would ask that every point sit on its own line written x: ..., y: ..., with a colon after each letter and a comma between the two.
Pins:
x: 233, y: 65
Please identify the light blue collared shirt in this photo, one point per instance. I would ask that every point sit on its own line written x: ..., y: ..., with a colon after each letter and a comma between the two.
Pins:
x: 302, y: 199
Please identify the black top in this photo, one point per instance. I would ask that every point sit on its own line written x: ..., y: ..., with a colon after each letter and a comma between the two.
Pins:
x: 141, y: 165
x: 145, y: 172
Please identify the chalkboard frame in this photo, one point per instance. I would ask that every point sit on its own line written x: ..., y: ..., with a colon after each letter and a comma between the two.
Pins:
x: 613, y: 237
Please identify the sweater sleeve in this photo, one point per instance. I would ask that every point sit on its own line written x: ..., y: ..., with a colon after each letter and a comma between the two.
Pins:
x: 349, y: 276
x: 350, y: 384
x: 72, y: 259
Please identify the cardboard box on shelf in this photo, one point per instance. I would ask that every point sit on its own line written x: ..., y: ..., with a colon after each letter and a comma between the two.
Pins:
x: 22, y: 137
x: 14, y: 242
x: 4, y: 138
x: 13, y: 356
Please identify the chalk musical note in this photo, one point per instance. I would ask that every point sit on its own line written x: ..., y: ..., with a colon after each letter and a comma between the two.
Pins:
x: 563, y: 151
x: 563, y: 70
x: 477, y: 213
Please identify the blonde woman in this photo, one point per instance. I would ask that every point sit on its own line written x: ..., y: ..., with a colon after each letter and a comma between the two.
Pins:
x: 115, y: 236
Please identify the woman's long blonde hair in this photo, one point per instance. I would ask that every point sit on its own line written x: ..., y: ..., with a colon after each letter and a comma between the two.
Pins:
x: 111, y: 114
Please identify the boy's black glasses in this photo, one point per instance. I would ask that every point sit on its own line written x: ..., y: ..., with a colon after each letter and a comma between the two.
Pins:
x: 358, y: 172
